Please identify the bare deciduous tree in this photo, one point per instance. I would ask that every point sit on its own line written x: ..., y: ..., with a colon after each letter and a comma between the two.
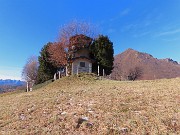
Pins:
x: 76, y: 28
x: 134, y: 73
x: 30, y: 69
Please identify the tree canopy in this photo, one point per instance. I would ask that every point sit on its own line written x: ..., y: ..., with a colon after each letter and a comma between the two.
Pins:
x: 57, y: 54
x: 102, y: 51
x: 46, y: 68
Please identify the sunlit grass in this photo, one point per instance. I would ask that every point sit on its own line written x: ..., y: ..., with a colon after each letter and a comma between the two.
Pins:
x: 108, y: 107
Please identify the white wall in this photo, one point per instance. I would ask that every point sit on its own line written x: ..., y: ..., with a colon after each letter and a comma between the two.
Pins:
x: 87, y: 68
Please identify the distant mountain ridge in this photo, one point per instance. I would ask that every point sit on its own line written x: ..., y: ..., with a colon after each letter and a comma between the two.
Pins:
x: 11, y: 82
x: 10, y: 85
x: 151, y: 67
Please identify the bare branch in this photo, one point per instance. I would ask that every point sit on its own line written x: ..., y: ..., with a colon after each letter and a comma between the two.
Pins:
x: 30, y: 69
x: 76, y: 28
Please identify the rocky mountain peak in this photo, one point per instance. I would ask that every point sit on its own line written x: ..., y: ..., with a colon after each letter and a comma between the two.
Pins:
x: 152, y: 68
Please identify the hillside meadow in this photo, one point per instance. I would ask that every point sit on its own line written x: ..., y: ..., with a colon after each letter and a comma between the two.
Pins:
x: 86, y: 105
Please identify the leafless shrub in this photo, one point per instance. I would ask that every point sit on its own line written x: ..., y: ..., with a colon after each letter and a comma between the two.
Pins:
x: 134, y: 74
x: 117, y: 73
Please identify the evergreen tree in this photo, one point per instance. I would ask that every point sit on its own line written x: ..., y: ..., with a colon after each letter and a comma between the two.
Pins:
x: 46, y: 69
x: 102, y: 51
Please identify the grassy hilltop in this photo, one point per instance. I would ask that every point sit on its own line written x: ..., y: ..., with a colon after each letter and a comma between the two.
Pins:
x: 85, y: 105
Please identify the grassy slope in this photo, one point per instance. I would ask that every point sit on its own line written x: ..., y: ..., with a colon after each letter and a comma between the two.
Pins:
x: 112, y: 107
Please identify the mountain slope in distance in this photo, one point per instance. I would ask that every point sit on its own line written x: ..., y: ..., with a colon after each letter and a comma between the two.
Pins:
x: 152, y: 68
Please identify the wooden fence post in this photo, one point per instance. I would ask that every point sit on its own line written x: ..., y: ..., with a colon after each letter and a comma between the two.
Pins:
x: 55, y: 77
x: 98, y: 68
x: 66, y: 71
x: 27, y: 86
x: 77, y: 69
x: 59, y: 74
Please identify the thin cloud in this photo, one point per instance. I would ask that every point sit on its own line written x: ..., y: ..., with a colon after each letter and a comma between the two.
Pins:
x: 130, y: 27
x: 168, y: 32
x: 170, y: 40
x: 121, y: 14
x: 142, y: 34
x: 145, y: 22
x: 125, y: 12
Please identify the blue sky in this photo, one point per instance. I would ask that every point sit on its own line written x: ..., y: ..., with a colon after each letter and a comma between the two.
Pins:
x: 151, y: 26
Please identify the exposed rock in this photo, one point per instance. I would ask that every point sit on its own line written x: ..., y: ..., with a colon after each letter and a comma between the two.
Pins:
x: 22, y: 116
x: 170, y: 60
x: 81, y: 120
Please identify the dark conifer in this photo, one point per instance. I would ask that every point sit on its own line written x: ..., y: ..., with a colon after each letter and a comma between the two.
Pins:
x: 46, y: 69
x: 102, y: 51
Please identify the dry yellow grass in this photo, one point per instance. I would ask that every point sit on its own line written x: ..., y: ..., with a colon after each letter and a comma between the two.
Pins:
x: 106, y: 106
